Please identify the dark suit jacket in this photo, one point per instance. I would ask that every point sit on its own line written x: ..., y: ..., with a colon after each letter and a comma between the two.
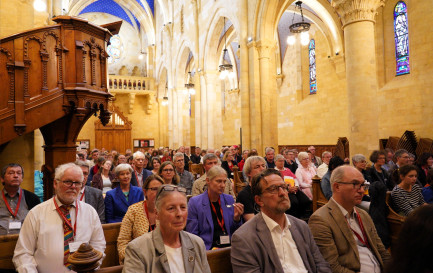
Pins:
x: 336, y: 242
x: 225, y: 166
x: 375, y: 176
x: 253, y: 249
x: 94, y: 198
x: 146, y: 173
x: 116, y: 204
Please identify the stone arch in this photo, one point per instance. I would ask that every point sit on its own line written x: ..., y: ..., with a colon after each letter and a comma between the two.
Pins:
x: 269, y: 13
x: 180, y: 64
x: 211, y: 55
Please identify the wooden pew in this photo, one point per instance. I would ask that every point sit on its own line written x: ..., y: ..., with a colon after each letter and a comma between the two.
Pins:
x: 395, y: 220
x: 319, y: 198
x: 238, y: 180
x: 197, y: 170
x: 111, y: 232
x: 7, y: 247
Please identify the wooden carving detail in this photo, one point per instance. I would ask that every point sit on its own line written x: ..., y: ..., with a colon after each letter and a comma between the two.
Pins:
x: 28, y: 62
x: 58, y: 49
x: 11, y: 71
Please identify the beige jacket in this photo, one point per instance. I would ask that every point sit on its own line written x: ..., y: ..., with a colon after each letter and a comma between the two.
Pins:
x: 200, y: 186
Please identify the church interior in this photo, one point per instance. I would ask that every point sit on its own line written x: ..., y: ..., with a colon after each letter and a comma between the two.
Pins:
x: 139, y: 74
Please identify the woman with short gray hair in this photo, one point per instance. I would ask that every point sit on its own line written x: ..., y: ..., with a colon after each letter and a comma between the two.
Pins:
x: 167, y: 248
x: 305, y: 173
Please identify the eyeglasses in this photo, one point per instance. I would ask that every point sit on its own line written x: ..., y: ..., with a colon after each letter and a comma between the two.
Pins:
x: 69, y: 183
x: 169, y: 188
x: 356, y: 185
x: 153, y: 189
x: 168, y: 170
x: 276, y: 188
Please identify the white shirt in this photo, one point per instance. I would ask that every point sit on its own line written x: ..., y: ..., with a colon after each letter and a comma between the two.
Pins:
x: 40, y: 244
x: 285, y: 245
x: 175, y: 259
x: 322, y: 170
x: 81, y: 194
x: 368, y: 261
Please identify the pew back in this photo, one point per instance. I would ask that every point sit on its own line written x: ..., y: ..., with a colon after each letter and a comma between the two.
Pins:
x: 7, y: 247
x: 319, y: 198
x: 111, y: 232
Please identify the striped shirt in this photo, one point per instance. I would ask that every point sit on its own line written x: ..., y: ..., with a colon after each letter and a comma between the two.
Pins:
x: 404, y: 201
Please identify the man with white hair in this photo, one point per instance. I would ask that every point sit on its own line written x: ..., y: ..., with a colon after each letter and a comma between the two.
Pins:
x: 270, y: 154
x: 140, y: 172
x: 57, y: 227
x: 345, y: 235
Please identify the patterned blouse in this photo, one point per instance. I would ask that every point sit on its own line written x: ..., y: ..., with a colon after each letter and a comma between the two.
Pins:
x: 406, y: 201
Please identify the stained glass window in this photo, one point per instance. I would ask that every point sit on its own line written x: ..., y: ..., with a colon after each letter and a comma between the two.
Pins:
x: 115, y: 49
x: 401, y: 38
x: 312, y: 55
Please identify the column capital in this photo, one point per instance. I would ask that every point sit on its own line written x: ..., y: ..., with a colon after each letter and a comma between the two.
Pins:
x: 351, y: 11
x: 265, y: 48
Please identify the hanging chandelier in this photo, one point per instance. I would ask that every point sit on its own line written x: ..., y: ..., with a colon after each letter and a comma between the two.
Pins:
x: 189, y: 85
x: 299, y: 27
x: 225, y: 68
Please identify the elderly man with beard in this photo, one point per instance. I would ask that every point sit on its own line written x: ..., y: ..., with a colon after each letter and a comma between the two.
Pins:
x: 273, y: 241
x: 57, y: 227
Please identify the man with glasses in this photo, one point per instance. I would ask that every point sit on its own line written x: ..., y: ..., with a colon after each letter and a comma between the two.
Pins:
x: 346, y: 235
x: 186, y: 178
x: 273, y: 241
x: 57, y: 227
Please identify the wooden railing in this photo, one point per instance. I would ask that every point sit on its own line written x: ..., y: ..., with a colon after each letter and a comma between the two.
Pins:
x: 120, y: 83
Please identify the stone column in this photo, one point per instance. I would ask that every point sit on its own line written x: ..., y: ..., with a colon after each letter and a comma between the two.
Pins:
x: 268, y: 96
x: 362, y: 85
x: 214, y: 122
x: 203, y: 112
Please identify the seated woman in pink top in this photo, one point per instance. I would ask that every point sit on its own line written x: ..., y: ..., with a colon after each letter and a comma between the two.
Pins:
x: 305, y: 173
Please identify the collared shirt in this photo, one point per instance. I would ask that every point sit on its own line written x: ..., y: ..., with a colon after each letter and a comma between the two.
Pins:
x: 81, y: 194
x: 322, y: 170
x: 40, y: 244
x: 5, y: 215
x: 186, y: 180
x: 285, y: 245
x: 367, y: 259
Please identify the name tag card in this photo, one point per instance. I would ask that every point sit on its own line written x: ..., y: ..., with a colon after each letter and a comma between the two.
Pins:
x: 224, y: 239
x: 14, y: 225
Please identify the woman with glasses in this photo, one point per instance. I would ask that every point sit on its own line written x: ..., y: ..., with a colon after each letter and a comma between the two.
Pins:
x: 155, y: 163
x: 305, y: 173
x: 140, y: 217
x: 213, y: 215
x: 407, y: 196
x: 167, y: 248
x: 119, y: 199
x: 168, y: 174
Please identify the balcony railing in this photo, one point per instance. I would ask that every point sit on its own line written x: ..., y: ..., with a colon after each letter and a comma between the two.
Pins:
x: 120, y: 83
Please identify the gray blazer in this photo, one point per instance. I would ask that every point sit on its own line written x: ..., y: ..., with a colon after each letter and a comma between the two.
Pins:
x: 147, y: 254
x: 253, y: 249
x: 94, y: 197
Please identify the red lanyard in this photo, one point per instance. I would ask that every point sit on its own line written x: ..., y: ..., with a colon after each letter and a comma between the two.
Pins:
x: 147, y: 215
x: 74, y: 229
x: 364, y: 240
x: 220, y: 223
x: 18, y: 204
x: 82, y: 195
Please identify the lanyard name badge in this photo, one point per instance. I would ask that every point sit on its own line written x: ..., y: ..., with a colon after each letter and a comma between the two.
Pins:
x: 13, y: 223
x: 82, y: 195
x: 224, y: 239
x: 363, y: 238
x: 73, y: 246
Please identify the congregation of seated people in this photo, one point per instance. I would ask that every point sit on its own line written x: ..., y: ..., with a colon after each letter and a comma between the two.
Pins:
x: 169, y: 217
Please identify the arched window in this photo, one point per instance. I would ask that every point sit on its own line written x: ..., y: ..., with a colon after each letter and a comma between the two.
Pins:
x: 115, y: 49
x: 312, y: 55
x: 401, y: 33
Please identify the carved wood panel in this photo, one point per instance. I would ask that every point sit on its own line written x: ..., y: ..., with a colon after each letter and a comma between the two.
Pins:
x: 33, y: 77
x: 6, y: 78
